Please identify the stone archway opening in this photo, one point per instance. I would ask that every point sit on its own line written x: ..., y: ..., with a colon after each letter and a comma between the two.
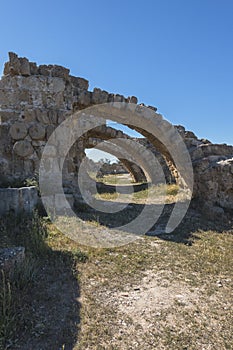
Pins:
x: 105, y: 138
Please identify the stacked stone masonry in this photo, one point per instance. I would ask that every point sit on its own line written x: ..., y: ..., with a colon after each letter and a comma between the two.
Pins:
x: 34, y: 100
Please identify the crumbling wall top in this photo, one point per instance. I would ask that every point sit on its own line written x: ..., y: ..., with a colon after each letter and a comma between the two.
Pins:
x: 22, y: 66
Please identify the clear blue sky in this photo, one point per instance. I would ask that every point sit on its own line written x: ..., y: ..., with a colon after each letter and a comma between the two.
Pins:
x: 174, y: 54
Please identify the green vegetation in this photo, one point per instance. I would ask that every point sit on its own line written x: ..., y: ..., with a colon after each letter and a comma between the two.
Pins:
x: 25, y: 291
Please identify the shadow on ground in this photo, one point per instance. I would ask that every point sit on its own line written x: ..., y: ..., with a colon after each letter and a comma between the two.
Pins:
x: 193, y: 221
x: 44, y: 307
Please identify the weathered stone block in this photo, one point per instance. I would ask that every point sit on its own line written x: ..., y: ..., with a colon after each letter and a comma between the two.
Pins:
x: 14, y: 64
x: 56, y: 85
x: 99, y: 96
x: 23, y: 149
x: 60, y: 72
x: 45, y: 70
x: 33, y: 68
x: 61, y: 116
x: 8, y: 116
x: 80, y: 83
x: 37, y: 131
x: 24, y: 66
x: 83, y: 100
x: 28, y: 115
x: 42, y: 116
x: 52, y: 115
x: 18, y: 200
x: 118, y: 98
x: 133, y: 99
x: 18, y: 131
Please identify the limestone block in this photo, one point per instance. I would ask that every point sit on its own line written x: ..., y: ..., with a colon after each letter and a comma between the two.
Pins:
x: 14, y: 64
x: 6, y: 98
x: 24, y: 66
x: 52, y: 115
x: 118, y: 98
x: 10, y: 82
x: 32, y: 83
x: 80, y: 83
x: 60, y: 72
x: 44, y: 69
x: 8, y: 116
x: 28, y: 115
x: 37, y: 131
x: 57, y: 85
x: 110, y: 97
x: 33, y: 68
x: 18, y: 131
x: 23, y: 149
x: 99, y: 96
x: 24, y: 96
x: 61, y: 116
x: 42, y: 116
x: 84, y: 99
x: 133, y: 99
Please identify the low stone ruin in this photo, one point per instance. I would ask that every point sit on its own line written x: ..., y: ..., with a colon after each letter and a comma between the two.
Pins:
x: 18, y: 200
x: 34, y: 100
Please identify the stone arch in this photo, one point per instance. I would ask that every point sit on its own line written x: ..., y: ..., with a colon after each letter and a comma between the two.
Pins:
x: 162, y: 132
x: 138, y: 168
x: 34, y: 100
x: 135, y: 171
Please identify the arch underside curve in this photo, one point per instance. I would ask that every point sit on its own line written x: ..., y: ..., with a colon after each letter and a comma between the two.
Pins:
x: 102, y: 138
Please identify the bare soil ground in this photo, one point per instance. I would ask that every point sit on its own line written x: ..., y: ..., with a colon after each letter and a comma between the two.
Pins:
x: 158, y: 294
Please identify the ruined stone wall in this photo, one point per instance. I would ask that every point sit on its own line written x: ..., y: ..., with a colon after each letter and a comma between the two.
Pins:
x: 34, y: 100
x: 18, y: 200
x: 213, y: 173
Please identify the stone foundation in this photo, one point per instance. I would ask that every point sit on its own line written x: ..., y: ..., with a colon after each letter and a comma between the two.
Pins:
x: 18, y: 200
